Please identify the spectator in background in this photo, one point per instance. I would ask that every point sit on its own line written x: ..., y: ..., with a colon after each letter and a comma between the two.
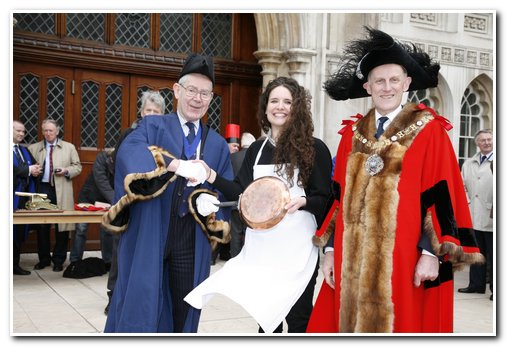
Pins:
x: 98, y: 187
x: 60, y: 165
x: 232, y: 137
x: 232, y: 132
x: 25, y: 171
x: 237, y: 226
x: 152, y: 103
x: 477, y: 175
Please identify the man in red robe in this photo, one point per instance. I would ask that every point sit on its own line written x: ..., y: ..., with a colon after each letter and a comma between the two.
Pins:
x: 403, y: 225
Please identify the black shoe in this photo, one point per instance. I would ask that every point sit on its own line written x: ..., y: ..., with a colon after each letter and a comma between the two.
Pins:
x: 57, y: 268
x: 468, y: 290
x: 18, y: 270
x: 40, y: 266
x: 225, y: 256
x: 109, y: 296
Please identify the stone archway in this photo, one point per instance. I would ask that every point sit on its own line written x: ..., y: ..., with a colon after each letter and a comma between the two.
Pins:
x: 281, y: 45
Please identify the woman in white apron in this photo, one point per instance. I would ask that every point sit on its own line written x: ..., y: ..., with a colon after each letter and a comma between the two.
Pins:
x: 274, y: 275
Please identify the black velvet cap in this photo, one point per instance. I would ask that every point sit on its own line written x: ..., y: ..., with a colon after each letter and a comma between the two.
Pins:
x: 196, y: 63
x: 362, y: 56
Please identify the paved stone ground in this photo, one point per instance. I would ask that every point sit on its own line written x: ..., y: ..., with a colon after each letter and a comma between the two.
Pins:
x: 48, y: 304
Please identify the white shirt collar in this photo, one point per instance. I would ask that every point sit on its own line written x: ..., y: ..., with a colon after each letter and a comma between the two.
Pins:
x: 185, y: 127
x: 390, y: 115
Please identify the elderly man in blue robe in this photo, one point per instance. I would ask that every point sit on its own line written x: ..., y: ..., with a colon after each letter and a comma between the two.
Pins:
x: 165, y: 247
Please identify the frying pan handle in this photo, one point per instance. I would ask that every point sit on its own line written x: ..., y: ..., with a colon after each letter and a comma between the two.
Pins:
x: 227, y: 204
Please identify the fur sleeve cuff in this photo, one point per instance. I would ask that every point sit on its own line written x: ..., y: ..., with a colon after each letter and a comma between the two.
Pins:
x: 139, y: 187
x: 217, y: 231
x: 452, y: 251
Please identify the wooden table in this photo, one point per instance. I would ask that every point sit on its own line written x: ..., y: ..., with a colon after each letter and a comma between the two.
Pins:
x: 49, y: 217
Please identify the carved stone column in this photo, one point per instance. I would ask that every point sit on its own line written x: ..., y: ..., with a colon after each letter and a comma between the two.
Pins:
x: 299, y: 60
x: 270, y: 60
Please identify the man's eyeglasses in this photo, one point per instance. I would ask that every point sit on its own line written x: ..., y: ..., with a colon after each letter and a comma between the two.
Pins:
x: 193, y: 91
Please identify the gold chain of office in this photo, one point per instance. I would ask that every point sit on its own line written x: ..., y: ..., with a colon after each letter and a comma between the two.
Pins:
x: 377, y: 146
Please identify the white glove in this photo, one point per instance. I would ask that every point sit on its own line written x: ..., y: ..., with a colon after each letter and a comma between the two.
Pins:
x: 206, y: 204
x: 192, y: 170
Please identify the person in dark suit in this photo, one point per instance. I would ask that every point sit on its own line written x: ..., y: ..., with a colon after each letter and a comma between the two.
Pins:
x: 237, y: 226
x: 164, y: 250
x: 25, y: 169
x: 98, y: 186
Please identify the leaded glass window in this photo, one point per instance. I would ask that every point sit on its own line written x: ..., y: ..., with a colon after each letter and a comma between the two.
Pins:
x: 113, y: 114
x: 86, y: 26
x: 214, y: 111
x: 168, y: 96
x: 36, y: 22
x: 133, y: 29
x: 420, y: 97
x: 56, y: 102
x: 29, y: 105
x: 216, y: 34
x: 89, y: 114
x: 176, y: 32
x: 470, y: 123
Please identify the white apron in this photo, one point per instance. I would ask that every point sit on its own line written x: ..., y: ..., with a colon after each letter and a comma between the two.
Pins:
x: 272, y: 270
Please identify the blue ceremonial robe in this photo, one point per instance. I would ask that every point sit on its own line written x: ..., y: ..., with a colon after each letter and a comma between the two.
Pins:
x: 137, y: 304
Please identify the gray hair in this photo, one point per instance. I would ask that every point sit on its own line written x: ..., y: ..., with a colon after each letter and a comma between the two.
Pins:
x: 52, y: 121
x: 482, y: 131
x: 155, y: 98
x: 246, y: 140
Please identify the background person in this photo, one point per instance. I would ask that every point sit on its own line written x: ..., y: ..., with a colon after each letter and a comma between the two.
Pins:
x: 98, y: 187
x: 25, y: 171
x: 60, y: 165
x: 478, y: 178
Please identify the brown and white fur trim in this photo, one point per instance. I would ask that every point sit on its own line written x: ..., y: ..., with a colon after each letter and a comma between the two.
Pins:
x: 217, y: 231
x: 370, y: 205
x: 130, y: 197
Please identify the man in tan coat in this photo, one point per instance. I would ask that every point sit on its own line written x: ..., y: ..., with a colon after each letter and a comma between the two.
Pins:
x: 478, y: 178
x: 60, y: 163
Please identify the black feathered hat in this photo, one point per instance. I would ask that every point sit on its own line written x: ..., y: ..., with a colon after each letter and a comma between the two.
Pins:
x: 196, y: 63
x: 362, y: 56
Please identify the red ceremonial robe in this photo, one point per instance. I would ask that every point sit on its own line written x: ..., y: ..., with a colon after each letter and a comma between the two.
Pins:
x: 380, y: 221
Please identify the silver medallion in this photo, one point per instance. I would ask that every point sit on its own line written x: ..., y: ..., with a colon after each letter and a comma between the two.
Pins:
x: 374, y: 164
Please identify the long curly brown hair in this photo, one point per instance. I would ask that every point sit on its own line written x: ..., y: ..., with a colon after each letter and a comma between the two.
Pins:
x: 295, y: 145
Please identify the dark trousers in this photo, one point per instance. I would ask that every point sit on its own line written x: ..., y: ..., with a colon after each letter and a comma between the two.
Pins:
x: 113, y: 271
x: 19, y: 235
x: 478, y: 273
x: 299, y: 315
x: 238, y: 229
x: 43, y: 239
x: 179, y: 266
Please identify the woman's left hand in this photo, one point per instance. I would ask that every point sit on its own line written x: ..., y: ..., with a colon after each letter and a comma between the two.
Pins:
x: 295, y: 204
